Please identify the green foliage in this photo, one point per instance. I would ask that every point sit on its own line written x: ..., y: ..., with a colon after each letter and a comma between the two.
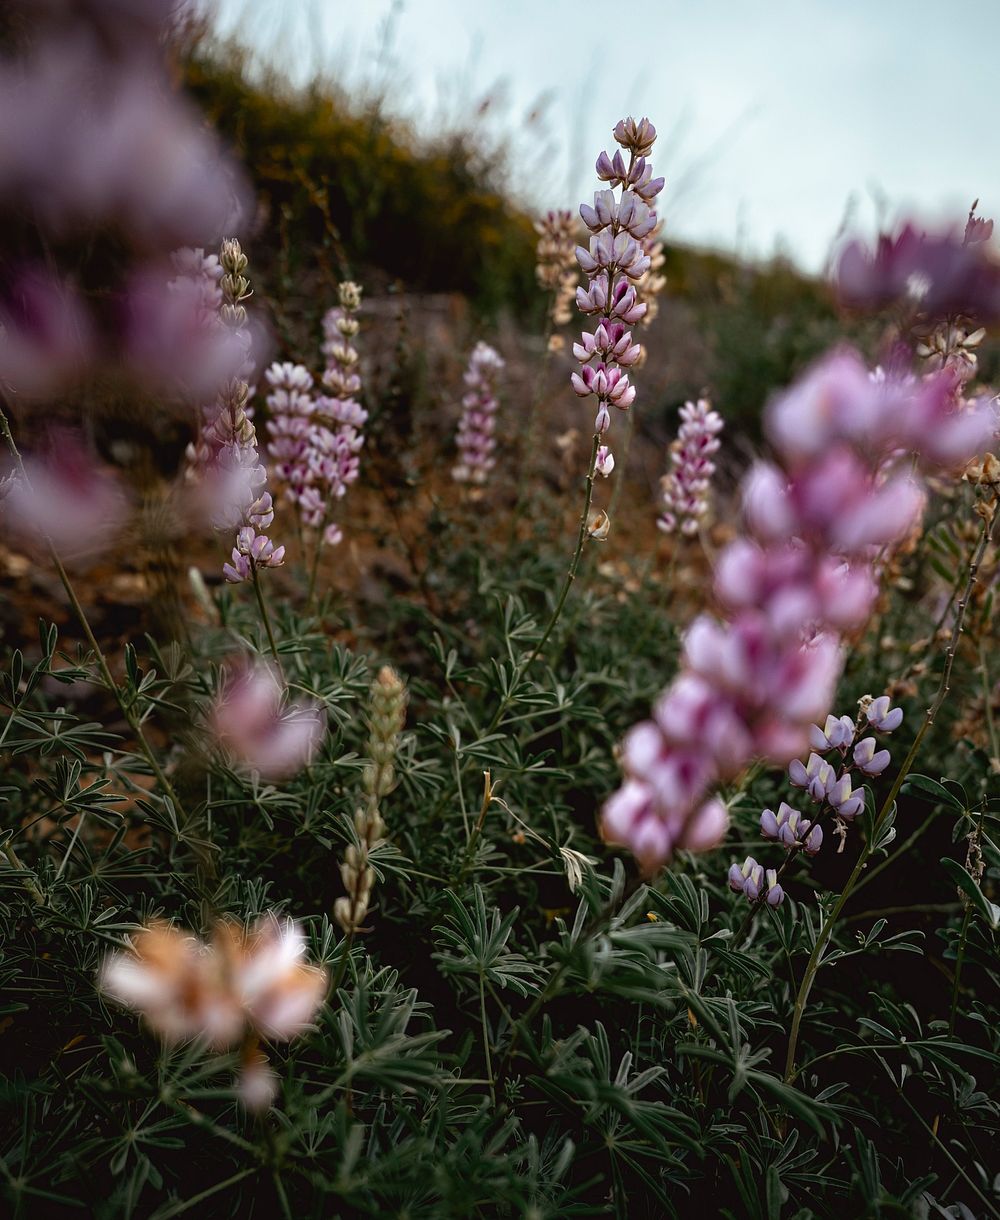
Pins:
x: 525, y: 1028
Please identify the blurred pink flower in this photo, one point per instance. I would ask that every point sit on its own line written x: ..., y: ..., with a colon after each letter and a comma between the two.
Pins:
x: 65, y: 497
x: 474, y: 439
x: 250, y: 721
x: 937, y: 273
x: 92, y: 141
x: 46, y: 338
x: 174, y: 341
x: 242, y: 985
x: 751, y: 685
x: 685, y: 487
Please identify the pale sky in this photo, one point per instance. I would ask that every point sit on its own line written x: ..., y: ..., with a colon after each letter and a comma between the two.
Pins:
x: 775, y: 116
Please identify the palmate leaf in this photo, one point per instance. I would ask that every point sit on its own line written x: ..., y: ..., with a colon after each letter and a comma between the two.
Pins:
x: 583, y: 1075
x: 476, y: 943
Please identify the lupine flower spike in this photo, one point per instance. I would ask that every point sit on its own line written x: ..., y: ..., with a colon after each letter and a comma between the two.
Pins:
x: 336, y: 438
x: 316, y: 438
x: 236, y: 481
x: 685, y: 487
x: 474, y: 437
x: 752, y: 683
x: 556, y: 268
x: 388, y: 715
x: 613, y: 262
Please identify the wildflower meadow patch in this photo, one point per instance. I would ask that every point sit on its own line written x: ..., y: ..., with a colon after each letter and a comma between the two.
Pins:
x: 429, y: 787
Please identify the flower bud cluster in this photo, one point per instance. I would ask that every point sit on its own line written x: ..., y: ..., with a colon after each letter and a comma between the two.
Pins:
x: 685, y: 487
x: 242, y: 985
x: 556, y: 266
x: 638, y: 138
x: 756, y: 884
x: 386, y: 719
x: 291, y: 405
x: 225, y: 454
x: 614, y: 262
x: 335, y: 438
x: 753, y: 681
x: 828, y: 784
x: 474, y: 437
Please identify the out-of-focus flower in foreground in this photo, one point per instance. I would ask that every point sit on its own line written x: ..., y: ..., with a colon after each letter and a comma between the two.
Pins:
x: 935, y: 273
x: 64, y: 497
x: 92, y: 140
x: 46, y: 338
x: 753, y: 684
x: 242, y: 985
x: 251, y: 720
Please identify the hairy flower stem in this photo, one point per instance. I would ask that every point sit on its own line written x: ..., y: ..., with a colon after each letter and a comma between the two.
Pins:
x: 622, y: 463
x: 266, y: 618
x: 477, y: 831
x: 815, y: 957
x: 523, y: 668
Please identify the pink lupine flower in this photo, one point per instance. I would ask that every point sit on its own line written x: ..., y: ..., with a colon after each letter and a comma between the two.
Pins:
x: 938, y: 273
x: 474, y: 438
x: 816, y: 518
x: 291, y: 406
x: 176, y: 341
x: 65, y: 497
x: 317, y: 438
x: 250, y: 720
x: 879, y: 715
x: 615, y: 257
x: 97, y: 140
x: 605, y: 463
x: 685, y: 487
x: 243, y: 985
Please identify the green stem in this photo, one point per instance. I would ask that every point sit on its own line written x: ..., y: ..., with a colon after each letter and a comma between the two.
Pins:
x: 265, y: 617
x: 486, y: 1041
x: 29, y: 883
x: 957, y: 1167
x: 564, y: 594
